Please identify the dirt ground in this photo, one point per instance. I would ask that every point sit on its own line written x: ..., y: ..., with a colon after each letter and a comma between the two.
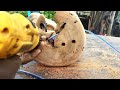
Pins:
x: 97, y: 62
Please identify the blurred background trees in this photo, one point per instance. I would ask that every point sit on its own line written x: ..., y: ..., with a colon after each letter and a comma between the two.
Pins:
x: 99, y: 22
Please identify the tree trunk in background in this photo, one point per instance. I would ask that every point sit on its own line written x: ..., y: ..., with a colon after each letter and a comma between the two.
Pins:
x: 111, y: 24
x: 97, y: 17
x: 94, y: 22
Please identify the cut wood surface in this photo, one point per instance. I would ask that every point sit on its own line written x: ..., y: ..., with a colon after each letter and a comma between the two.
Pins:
x: 97, y: 62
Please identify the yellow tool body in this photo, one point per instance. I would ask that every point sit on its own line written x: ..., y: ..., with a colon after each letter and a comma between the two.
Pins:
x: 17, y: 34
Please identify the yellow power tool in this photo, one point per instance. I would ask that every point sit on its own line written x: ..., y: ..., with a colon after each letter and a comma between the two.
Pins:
x: 17, y: 34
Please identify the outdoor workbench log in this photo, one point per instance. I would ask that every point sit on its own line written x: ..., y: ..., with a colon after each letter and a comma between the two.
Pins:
x: 97, y: 62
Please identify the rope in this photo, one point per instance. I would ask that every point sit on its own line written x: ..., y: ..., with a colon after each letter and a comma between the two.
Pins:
x: 30, y: 74
x: 104, y: 41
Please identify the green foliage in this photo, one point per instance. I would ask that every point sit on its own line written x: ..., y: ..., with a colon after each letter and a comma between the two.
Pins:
x: 48, y: 14
x: 24, y: 13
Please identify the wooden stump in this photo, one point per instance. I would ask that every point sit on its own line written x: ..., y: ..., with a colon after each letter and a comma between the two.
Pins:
x: 68, y: 45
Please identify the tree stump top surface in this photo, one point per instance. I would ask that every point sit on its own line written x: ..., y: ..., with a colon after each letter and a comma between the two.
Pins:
x: 97, y: 62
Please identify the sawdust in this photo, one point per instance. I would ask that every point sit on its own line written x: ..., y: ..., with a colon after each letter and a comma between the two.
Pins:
x: 97, y: 62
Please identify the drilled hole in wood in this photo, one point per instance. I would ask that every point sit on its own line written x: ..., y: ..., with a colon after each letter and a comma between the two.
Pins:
x: 5, y: 31
x: 71, y: 14
x: 73, y: 41
x: 62, y: 27
x: 75, y: 21
x: 63, y: 44
x: 27, y: 26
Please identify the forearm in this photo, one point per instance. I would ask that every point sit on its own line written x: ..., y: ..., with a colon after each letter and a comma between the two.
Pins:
x: 9, y: 67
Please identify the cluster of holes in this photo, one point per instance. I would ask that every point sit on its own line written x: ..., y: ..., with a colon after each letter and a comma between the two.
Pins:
x: 73, y: 41
x: 62, y: 27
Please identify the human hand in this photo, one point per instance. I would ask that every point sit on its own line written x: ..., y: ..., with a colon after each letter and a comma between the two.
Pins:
x: 27, y: 57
